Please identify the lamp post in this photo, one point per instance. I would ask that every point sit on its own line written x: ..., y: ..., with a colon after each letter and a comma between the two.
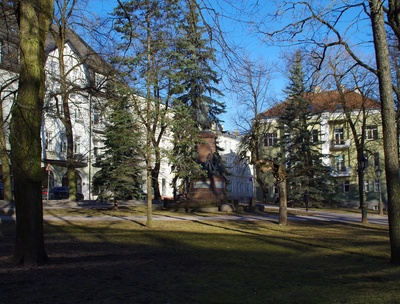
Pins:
x: 378, y: 173
x: 362, y: 165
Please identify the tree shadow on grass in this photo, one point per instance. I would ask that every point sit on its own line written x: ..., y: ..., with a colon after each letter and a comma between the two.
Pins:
x: 219, y: 262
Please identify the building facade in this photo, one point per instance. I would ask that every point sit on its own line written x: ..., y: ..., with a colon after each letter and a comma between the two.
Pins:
x: 84, y: 83
x: 340, y: 118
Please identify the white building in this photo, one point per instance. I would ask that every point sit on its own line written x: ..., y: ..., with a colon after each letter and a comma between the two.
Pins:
x: 86, y: 81
x: 240, y: 178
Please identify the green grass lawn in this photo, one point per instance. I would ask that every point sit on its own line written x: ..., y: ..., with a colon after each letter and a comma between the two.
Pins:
x: 202, y: 261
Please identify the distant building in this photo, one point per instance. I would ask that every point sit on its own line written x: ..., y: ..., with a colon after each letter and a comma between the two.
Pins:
x: 331, y: 112
x: 240, y: 177
x: 87, y: 84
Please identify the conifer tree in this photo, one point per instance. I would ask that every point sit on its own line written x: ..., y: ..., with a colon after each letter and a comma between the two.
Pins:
x: 195, y: 88
x: 307, y: 175
x: 183, y: 156
x: 147, y: 29
x: 121, y: 164
x: 198, y: 78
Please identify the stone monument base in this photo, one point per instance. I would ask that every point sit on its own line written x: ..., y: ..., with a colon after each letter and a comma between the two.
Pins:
x: 208, y: 191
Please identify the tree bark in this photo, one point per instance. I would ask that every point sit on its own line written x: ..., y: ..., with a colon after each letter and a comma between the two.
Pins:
x: 363, y: 203
x: 149, y: 222
x: 34, y: 20
x: 60, y: 36
x: 282, y: 203
x: 390, y: 140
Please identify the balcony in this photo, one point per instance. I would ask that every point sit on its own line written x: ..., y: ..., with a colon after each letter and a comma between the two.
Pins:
x: 52, y: 155
x: 339, y: 145
x: 341, y: 172
x: 80, y: 160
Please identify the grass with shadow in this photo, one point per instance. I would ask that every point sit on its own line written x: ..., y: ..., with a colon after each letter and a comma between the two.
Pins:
x: 202, y: 261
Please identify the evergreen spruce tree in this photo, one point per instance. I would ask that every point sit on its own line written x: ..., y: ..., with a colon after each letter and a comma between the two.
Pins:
x: 183, y: 156
x: 147, y: 30
x: 196, y: 109
x: 121, y: 164
x: 198, y: 78
x: 307, y: 175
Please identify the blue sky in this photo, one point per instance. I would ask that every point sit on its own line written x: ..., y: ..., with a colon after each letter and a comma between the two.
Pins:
x: 239, y: 33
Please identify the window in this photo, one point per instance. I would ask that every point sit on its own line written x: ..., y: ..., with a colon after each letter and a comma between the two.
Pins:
x: 346, y: 186
x: 340, y: 165
x: 77, y: 145
x: 1, y: 51
x: 78, y: 115
x: 96, y: 116
x: 315, y: 136
x: 270, y: 139
x: 338, y: 135
x: 49, y: 141
x: 376, y: 159
x: 366, y: 186
x: 63, y: 143
x: 376, y: 185
x: 63, y: 146
x: 371, y: 132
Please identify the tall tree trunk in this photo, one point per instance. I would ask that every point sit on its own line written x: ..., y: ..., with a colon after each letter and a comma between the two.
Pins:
x: 149, y: 222
x: 65, y: 117
x: 282, y: 203
x: 363, y: 203
x: 155, y: 174
x: 70, y: 155
x: 34, y: 19
x: 60, y: 36
x: 390, y: 140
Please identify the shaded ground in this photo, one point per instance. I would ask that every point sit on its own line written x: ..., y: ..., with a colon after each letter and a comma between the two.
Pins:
x: 203, y: 262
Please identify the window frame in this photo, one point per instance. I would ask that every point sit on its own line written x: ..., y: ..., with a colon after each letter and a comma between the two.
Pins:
x: 270, y: 139
x: 371, y: 132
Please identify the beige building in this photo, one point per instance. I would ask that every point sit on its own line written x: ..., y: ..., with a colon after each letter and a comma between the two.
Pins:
x: 338, y: 121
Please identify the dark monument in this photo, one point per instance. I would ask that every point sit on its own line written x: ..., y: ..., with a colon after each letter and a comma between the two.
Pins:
x: 210, y: 189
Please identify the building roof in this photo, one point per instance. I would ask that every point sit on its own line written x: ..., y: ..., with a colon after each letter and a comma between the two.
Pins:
x: 9, y: 35
x: 84, y: 51
x: 328, y: 101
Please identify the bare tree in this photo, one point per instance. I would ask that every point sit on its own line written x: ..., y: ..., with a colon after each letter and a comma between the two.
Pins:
x: 251, y: 84
x: 357, y: 109
x: 390, y: 138
x: 145, y: 61
x: 320, y: 26
x: 59, y: 33
x: 9, y: 85
x: 77, y: 82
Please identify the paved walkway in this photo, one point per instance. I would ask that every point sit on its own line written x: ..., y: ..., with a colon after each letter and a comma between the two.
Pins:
x: 7, y: 213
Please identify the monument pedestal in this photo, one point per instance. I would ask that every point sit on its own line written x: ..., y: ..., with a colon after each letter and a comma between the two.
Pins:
x: 211, y: 189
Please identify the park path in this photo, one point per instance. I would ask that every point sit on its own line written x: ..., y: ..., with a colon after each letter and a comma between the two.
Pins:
x: 7, y: 213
